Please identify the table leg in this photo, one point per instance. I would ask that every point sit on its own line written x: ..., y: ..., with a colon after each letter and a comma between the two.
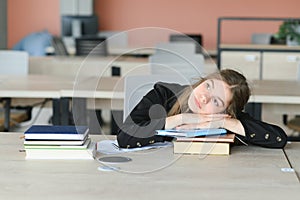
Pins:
x: 64, y: 111
x: 7, y: 104
x: 56, y: 111
x: 60, y: 111
x: 79, y: 109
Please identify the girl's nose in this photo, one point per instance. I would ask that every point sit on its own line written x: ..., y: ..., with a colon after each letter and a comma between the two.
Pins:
x: 205, y: 98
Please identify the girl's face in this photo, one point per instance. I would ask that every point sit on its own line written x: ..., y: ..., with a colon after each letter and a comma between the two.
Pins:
x: 210, y: 97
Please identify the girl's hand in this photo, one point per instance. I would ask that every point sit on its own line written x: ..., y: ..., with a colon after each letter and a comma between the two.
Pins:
x: 192, y: 118
x: 231, y: 124
x: 203, y: 125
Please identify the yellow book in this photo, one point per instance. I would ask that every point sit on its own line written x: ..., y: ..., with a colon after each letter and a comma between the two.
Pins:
x: 210, y: 145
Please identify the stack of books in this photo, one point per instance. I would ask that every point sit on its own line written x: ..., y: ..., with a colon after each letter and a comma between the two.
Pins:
x: 201, y: 141
x: 58, y: 142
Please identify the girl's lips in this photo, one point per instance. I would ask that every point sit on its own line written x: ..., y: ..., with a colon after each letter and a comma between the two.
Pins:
x: 197, y: 103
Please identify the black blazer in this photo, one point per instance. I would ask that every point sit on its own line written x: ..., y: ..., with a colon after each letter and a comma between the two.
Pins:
x: 150, y: 114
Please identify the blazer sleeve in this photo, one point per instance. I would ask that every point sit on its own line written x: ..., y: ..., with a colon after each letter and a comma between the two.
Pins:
x: 262, y: 133
x: 148, y: 116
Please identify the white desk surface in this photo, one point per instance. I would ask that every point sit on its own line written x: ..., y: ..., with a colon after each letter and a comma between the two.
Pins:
x: 96, y: 87
x: 99, y: 91
x: 275, y: 91
x: 279, y: 96
x: 263, y: 91
x: 33, y: 86
x: 51, y: 86
x: 248, y: 173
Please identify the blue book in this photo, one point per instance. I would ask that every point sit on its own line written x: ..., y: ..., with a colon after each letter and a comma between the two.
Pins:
x: 191, y: 132
x: 49, y: 132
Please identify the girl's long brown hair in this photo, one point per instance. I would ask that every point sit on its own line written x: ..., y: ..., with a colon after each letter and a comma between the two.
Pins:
x: 237, y: 83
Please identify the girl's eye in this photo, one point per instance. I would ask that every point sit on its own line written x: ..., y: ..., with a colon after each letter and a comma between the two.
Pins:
x: 207, y: 86
x: 215, y: 101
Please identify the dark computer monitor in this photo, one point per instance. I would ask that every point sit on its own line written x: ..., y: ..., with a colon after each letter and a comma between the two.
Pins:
x: 82, y: 25
x: 89, y: 45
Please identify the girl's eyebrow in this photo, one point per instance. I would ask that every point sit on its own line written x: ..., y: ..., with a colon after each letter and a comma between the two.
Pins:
x: 213, y: 86
x: 212, y: 83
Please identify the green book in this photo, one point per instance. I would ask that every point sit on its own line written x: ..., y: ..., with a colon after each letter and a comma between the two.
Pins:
x: 85, y: 152
x: 62, y: 147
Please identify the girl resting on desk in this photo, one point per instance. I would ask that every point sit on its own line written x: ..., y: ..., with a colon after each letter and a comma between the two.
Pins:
x: 216, y: 101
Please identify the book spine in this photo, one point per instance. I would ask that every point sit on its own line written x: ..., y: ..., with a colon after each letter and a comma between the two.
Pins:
x: 201, y: 148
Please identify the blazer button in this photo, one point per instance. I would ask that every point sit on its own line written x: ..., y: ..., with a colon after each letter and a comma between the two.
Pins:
x: 128, y: 146
x: 138, y: 144
x: 252, y: 135
x: 267, y: 136
x: 151, y: 141
x: 278, y: 139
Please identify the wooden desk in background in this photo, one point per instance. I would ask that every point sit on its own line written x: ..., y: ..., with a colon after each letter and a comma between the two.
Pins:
x: 278, y: 96
x: 273, y: 94
x: 248, y: 173
x: 29, y: 88
x: 81, y: 68
x: 60, y: 89
x: 66, y: 70
x: 275, y: 91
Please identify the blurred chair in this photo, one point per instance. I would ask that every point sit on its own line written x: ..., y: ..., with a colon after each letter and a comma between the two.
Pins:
x: 35, y: 44
x: 96, y: 46
x: 194, y: 38
x: 136, y: 86
x: 177, y: 59
x: 115, y: 38
x: 261, y: 38
x: 59, y: 47
x: 13, y: 63
x: 190, y: 67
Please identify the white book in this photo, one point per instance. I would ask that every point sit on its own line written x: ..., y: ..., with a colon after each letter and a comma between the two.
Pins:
x: 56, y: 142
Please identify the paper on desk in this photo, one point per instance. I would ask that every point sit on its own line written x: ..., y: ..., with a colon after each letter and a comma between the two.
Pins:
x: 111, y: 147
